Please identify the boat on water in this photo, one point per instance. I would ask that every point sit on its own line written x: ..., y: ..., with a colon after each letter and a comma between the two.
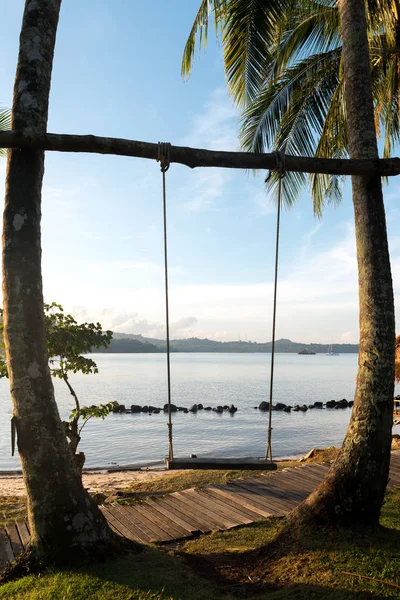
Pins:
x: 305, y: 351
x: 331, y: 352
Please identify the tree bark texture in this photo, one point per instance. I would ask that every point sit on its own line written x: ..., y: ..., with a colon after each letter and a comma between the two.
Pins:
x: 63, y: 519
x: 354, y: 488
x: 198, y: 157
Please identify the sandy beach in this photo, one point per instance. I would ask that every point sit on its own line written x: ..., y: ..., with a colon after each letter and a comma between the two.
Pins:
x: 105, y: 482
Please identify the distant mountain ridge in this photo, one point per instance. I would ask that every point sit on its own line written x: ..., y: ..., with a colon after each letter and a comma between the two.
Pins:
x: 129, y: 342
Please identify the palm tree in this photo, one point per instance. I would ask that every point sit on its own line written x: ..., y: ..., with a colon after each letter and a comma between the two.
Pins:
x: 253, y: 33
x: 64, y: 521
x: 286, y: 75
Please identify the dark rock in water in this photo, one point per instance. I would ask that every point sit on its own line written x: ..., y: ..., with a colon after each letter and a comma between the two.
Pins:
x: 207, y: 408
x: 303, y: 408
x: 115, y: 409
x: 136, y: 408
x: 219, y: 409
x: 340, y: 404
x: 331, y: 404
x: 296, y: 408
x: 225, y: 407
x: 128, y: 411
x: 119, y: 409
x: 152, y: 408
x: 343, y: 403
x: 232, y: 409
x: 145, y: 408
x: 263, y: 405
x: 173, y: 408
x: 311, y: 406
x: 287, y: 409
x: 351, y: 402
x: 193, y: 456
x: 200, y: 407
x: 185, y: 410
x: 193, y: 408
x: 318, y: 405
x: 156, y: 411
x: 279, y: 406
x: 180, y: 408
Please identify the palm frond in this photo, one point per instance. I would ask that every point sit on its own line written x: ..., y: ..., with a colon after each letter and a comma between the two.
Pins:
x: 249, y: 30
x: 5, y: 125
x: 200, y: 30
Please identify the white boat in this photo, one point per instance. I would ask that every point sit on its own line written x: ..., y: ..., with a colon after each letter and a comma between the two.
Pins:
x: 331, y: 352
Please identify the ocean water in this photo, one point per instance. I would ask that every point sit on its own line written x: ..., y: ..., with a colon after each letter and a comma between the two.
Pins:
x: 212, y: 379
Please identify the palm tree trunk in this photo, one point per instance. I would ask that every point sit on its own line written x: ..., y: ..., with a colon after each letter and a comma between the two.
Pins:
x: 63, y: 519
x: 354, y: 488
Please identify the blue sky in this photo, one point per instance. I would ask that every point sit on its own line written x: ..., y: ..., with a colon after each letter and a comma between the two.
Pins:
x: 117, y: 73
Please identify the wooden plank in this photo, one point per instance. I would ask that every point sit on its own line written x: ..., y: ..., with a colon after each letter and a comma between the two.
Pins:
x: 12, y: 532
x: 196, y: 520
x: 310, y: 476
x: 320, y: 470
x: 165, y: 523
x: 299, y: 480
x: 120, y: 527
x: 277, y: 498
x: 285, y: 484
x: 23, y: 533
x: 250, y: 501
x: 221, y: 463
x: 131, y: 523
x: 236, y: 503
x: 232, y: 518
x: 284, y: 490
x: 236, y: 511
x: 7, y: 546
x: 4, y: 554
x: 194, y: 507
x: 173, y: 515
x: 145, y: 518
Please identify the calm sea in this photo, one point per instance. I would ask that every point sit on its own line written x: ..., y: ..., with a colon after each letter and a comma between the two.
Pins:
x: 212, y: 379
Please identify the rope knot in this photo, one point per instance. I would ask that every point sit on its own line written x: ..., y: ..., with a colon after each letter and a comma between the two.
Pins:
x: 280, y: 166
x: 164, y: 155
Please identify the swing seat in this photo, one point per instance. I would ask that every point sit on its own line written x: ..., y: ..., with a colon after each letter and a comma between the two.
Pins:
x: 221, y: 463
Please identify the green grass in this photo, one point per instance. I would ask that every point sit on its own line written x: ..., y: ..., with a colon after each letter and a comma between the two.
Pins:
x: 312, y: 568
x: 150, y: 575
x: 12, y: 508
x: 232, y: 564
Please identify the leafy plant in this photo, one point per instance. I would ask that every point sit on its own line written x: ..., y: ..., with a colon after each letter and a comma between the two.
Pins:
x: 67, y: 343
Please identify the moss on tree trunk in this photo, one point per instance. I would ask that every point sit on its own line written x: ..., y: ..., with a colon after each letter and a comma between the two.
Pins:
x: 63, y: 518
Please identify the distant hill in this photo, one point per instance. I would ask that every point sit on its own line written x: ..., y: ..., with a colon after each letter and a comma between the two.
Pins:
x: 128, y: 345
x: 126, y: 342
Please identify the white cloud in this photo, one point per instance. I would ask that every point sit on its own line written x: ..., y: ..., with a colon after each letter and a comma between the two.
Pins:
x: 216, y: 127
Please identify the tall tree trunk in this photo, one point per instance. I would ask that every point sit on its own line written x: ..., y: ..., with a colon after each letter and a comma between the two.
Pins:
x: 63, y: 519
x: 354, y: 488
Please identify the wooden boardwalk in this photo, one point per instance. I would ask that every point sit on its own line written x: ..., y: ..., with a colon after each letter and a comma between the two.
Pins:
x: 192, y: 512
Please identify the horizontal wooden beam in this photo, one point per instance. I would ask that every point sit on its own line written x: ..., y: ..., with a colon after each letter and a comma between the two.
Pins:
x: 197, y: 157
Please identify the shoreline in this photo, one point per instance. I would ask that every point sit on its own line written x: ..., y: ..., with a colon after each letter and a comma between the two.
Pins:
x: 107, y: 480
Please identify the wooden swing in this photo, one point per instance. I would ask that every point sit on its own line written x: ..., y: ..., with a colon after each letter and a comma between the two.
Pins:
x: 163, y: 157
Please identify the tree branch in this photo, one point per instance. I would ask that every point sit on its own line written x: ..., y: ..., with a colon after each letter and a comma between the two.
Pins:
x: 196, y: 157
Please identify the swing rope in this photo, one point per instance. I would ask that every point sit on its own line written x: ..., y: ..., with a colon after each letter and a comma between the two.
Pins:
x: 280, y: 169
x: 163, y: 157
